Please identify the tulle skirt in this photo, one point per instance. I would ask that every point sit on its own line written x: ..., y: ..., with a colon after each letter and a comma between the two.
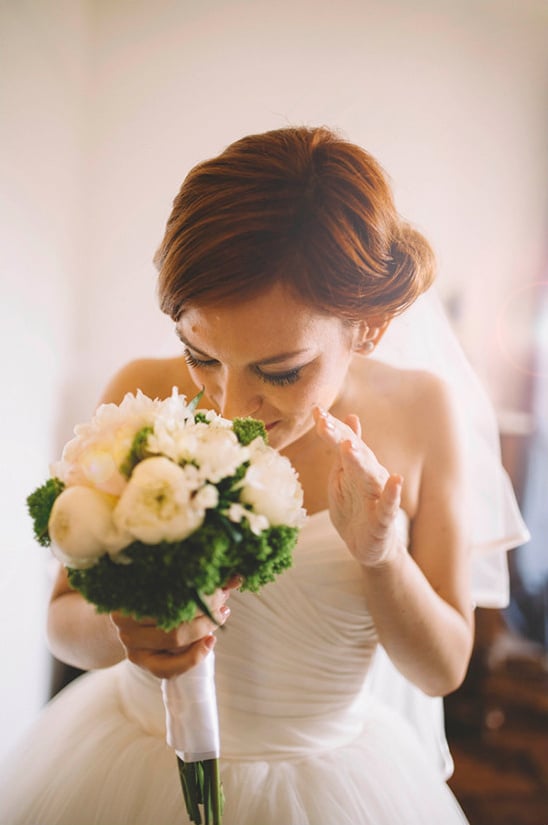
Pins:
x: 93, y: 758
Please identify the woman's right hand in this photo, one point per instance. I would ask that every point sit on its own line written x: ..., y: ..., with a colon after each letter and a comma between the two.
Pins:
x: 167, y: 654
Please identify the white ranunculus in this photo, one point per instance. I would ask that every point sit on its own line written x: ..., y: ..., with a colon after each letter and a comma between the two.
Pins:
x: 81, y: 527
x: 158, y: 504
x: 272, y: 488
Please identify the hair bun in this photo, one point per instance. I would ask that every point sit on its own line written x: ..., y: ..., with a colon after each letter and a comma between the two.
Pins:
x: 412, y: 268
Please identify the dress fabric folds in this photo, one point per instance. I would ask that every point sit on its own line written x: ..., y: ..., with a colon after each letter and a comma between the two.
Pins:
x: 304, y: 740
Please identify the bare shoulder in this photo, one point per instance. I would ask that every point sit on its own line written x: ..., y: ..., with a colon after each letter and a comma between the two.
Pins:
x: 420, y: 407
x: 409, y: 393
x: 409, y: 420
x: 155, y: 377
x: 407, y: 413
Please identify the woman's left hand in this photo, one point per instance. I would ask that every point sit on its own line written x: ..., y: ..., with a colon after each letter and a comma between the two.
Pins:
x: 364, y: 497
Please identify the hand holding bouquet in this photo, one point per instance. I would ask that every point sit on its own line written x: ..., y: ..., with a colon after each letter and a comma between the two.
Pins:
x: 153, y: 507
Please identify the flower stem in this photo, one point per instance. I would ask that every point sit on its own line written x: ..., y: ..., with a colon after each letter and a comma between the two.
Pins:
x: 201, y: 784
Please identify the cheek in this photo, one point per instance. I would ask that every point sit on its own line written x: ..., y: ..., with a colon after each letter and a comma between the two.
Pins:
x: 203, y: 378
x: 327, y: 384
x: 322, y: 389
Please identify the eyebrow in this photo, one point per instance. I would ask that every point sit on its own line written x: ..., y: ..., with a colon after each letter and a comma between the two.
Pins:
x: 274, y: 359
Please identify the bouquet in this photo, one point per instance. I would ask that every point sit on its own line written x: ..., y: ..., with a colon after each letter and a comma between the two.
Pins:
x: 152, y: 507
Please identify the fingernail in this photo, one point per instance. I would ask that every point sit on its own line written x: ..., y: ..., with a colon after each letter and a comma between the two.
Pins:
x: 225, y: 611
x: 233, y: 584
x: 210, y: 642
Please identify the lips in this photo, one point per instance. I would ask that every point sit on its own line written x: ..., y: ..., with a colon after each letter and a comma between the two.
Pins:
x: 272, y: 424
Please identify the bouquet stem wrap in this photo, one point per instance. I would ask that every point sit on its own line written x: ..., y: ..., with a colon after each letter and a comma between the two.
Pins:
x: 192, y: 721
x: 192, y: 725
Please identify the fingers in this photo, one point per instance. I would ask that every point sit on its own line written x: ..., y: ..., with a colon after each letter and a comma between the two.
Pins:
x: 389, y: 501
x: 354, y: 423
x: 233, y: 583
x: 146, y: 635
x: 165, y: 665
x: 359, y: 458
x: 332, y: 429
x: 167, y: 653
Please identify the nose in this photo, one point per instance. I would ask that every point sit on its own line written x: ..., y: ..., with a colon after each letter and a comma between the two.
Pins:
x: 238, y: 396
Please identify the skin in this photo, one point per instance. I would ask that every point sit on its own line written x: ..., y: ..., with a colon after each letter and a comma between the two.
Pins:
x: 365, y: 438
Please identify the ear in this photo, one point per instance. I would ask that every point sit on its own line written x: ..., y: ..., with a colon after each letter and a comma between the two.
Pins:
x: 368, y: 334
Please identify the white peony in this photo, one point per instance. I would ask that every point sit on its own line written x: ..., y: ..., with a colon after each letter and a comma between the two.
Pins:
x: 158, y: 502
x: 82, y: 528
x: 271, y: 487
x: 94, y: 457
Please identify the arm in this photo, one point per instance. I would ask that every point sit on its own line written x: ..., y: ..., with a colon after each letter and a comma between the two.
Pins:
x: 81, y: 637
x: 420, y: 601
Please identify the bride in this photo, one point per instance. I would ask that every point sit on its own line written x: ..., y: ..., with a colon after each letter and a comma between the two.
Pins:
x: 284, y: 267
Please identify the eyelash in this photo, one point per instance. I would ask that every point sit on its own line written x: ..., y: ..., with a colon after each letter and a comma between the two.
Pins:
x: 281, y: 379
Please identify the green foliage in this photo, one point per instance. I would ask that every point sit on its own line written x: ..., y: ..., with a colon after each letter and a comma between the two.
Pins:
x: 137, y: 452
x: 40, y: 504
x: 167, y: 581
x: 247, y: 429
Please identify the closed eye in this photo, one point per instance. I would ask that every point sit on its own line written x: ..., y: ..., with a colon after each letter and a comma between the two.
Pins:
x: 192, y: 361
x: 280, y: 379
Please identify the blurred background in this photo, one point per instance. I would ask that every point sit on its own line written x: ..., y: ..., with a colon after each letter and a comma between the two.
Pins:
x: 106, y: 104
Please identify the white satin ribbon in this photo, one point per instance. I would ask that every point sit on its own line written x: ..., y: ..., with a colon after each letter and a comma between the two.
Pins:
x: 192, y: 720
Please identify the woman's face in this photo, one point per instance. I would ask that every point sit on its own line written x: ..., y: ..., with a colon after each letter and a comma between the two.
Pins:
x: 272, y: 357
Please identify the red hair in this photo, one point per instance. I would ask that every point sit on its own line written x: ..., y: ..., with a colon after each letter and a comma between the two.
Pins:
x: 300, y: 206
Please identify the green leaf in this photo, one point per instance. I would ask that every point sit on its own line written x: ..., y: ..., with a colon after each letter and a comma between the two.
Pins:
x: 196, y: 400
x: 40, y: 504
x: 137, y: 452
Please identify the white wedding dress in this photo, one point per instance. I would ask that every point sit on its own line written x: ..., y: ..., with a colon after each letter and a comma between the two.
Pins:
x: 303, y: 740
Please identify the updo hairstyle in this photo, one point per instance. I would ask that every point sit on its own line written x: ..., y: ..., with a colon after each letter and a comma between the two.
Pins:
x: 300, y: 206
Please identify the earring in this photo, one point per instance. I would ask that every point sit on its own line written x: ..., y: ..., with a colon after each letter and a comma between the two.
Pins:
x: 366, y: 347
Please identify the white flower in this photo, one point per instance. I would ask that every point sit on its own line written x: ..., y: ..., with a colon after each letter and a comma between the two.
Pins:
x: 218, y: 451
x: 257, y: 522
x: 207, y: 498
x: 172, y: 417
x: 94, y: 457
x: 272, y: 488
x: 214, y: 449
x: 82, y: 528
x: 158, y: 503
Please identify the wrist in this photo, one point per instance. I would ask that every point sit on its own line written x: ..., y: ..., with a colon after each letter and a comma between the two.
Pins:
x: 390, y: 559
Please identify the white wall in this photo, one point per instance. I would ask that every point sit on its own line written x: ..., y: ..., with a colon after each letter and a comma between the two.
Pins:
x: 450, y: 96
x: 108, y: 104
x: 41, y: 100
